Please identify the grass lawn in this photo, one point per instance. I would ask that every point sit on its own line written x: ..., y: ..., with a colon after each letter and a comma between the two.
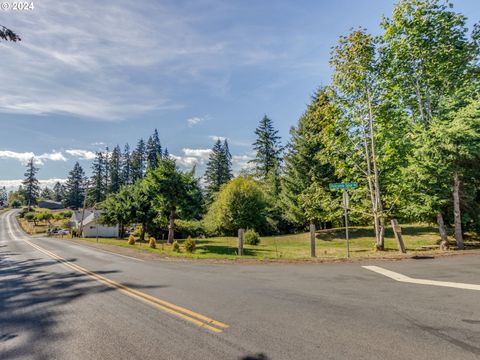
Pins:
x: 329, y: 244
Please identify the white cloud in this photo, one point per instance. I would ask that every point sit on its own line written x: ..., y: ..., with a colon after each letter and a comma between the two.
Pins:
x: 216, y: 138
x: 187, y: 161
x: 192, y: 157
x: 194, y: 121
x: 55, y: 156
x: 24, y: 157
x: 198, y: 153
x: 14, y: 184
x: 81, y: 154
x: 105, y: 60
x: 241, y: 162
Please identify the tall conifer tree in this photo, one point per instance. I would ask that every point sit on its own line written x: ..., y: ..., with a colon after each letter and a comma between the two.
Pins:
x: 153, y: 150
x: 126, y: 165
x: 30, y: 183
x: 267, y: 147
x: 115, y: 165
x: 75, y: 187
x: 219, y: 165
x: 137, y: 167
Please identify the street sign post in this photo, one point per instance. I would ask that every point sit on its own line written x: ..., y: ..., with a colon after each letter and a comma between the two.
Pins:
x: 345, y: 187
x: 337, y: 186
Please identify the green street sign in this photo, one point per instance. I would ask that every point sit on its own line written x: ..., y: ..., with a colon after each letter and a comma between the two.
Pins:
x: 350, y: 185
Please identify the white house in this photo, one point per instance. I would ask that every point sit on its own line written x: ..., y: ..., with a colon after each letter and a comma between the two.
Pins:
x: 91, y: 226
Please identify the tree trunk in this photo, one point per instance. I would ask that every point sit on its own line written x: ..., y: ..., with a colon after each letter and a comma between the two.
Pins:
x: 442, y: 231
x: 378, y: 208
x: 371, y: 190
x: 120, y: 231
x: 171, y: 224
x: 419, y: 98
x: 381, y: 232
x: 456, y: 212
x: 142, y: 234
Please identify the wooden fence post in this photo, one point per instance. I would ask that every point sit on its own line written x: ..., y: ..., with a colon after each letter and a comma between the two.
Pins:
x: 397, y: 230
x: 240, y: 242
x: 312, y: 239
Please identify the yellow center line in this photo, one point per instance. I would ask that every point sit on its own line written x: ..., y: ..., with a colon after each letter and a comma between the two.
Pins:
x: 188, y: 315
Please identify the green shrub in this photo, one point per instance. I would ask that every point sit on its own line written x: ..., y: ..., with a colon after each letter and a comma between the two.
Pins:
x: 131, y: 240
x: 58, y: 216
x: 189, y: 245
x: 75, y: 232
x: 30, y: 216
x: 44, y: 216
x: 240, y: 203
x: 176, y: 246
x: 137, y: 231
x: 152, y: 243
x: 252, y: 237
x: 22, y: 213
x: 16, y: 204
x: 67, y: 214
x: 189, y: 228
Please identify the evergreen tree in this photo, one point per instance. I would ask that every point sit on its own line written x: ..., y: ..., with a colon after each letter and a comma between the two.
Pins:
x: 47, y: 194
x: 115, y: 166
x: 307, y: 173
x: 174, y: 193
x: 31, y: 185
x: 59, y: 192
x: 137, y: 165
x: 267, y: 148
x: 126, y: 164
x: 98, y: 191
x: 153, y: 150
x: 218, y: 171
x: 75, y: 187
x: 106, y: 167
x: 226, y: 163
x: 3, y: 197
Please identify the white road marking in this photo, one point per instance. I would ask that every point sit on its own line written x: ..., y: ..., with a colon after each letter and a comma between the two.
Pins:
x: 403, y: 278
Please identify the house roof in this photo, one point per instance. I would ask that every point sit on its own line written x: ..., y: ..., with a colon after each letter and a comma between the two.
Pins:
x: 90, y: 215
x: 77, y: 214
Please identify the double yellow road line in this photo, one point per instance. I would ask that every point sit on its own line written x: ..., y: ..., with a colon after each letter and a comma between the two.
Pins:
x: 185, y: 314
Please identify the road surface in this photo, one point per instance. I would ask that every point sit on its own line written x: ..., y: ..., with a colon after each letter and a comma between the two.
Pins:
x: 60, y: 300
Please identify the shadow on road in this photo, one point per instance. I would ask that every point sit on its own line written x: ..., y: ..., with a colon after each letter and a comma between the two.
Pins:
x: 31, y: 298
x: 255, y: 357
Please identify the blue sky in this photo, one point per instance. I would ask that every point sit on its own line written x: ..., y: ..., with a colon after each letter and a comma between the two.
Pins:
x: 93, y: 73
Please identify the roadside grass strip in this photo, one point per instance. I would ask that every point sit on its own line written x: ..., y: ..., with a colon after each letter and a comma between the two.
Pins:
x: 165, y: 306
x: 406, y: 279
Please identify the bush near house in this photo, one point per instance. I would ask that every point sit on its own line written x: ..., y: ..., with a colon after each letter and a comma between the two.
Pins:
x: 176, y: 246
x: 152, y: 243
x: 189, y: 245
x: 252, y: 237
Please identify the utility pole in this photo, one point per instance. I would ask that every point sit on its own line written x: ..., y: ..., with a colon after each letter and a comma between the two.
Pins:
x: 345, y: 208
x: 80, y: 230
x: 344, y: 187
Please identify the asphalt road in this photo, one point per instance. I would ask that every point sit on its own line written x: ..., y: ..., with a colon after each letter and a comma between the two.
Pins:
x: 60, y: 300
